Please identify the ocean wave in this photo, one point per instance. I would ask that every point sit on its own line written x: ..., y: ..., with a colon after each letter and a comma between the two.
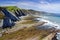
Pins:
x: 44, y: 17
x: 52, y: 24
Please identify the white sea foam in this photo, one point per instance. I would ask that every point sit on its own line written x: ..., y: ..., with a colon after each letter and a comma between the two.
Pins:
x: 51, y: 24
x: 55, y: 25
x: 44, y: 17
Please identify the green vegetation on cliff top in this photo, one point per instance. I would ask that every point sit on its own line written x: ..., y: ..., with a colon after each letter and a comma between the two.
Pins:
x: 11, y: 8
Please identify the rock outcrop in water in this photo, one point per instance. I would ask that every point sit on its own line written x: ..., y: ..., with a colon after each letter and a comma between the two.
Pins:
x: 55, y: 37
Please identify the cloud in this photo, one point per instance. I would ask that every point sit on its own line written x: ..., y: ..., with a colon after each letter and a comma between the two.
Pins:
x: 50, y: 7
x: 41, y: 6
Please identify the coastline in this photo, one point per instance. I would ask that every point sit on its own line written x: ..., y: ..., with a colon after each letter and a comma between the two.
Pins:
x: 27, y: 29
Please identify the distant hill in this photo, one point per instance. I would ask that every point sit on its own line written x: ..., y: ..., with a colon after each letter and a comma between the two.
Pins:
x: 30, y: 11
x: 12, y: 8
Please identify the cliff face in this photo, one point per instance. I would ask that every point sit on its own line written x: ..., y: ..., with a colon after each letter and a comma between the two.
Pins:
x: 1, y: 15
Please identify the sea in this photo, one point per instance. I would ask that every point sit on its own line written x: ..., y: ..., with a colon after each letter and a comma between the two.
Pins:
x: 56, y: 21
x: 52, y: 22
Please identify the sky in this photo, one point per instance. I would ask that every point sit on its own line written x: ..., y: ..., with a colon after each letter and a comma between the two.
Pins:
x: 52, y: 6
